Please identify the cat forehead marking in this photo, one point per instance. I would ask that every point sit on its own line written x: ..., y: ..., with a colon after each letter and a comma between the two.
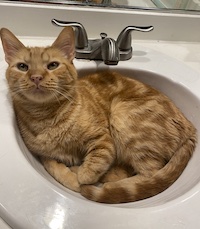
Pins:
x: 37, y: 54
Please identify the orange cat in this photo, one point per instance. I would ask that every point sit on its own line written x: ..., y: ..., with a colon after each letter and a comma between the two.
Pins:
x: 99, y: 122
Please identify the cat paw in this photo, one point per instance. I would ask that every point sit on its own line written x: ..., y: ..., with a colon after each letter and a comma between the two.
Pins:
x: 62, y: 174
x: 74, y: 169
x: 70, y: 181
x: 86, y: 176
x: 74, y: 186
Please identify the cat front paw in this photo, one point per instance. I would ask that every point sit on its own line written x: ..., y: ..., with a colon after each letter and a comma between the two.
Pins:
x: 87, y: 176
x: 62, y: 174
x: 74, y: 186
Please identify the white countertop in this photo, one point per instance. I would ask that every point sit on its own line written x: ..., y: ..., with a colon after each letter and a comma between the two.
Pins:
x: 186, y: 52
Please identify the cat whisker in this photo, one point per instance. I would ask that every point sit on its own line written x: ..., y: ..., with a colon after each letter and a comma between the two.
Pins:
x: 69, y: 86
x: 54, y: 94
x: 68, y: 94
x: 16, y: 91
x: 64, y: 94
x: 20, y: 89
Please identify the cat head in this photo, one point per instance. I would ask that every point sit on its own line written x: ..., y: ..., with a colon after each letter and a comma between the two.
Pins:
x: 40, y: 74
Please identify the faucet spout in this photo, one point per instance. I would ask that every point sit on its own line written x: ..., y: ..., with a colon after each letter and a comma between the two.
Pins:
x: 110, y: 51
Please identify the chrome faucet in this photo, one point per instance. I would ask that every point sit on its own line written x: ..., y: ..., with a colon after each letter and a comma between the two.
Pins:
x: 104, y: 48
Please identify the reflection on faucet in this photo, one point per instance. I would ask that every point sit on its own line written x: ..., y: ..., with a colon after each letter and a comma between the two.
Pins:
x: 104, y: 48
x: 110, y: 51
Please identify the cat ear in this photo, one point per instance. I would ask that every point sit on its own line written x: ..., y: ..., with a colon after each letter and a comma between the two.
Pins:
x: 65, y: 42
x: 11, y: 44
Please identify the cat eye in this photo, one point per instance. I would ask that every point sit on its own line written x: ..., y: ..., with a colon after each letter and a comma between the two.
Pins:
x: 22, y: 67
x: 52, y: 65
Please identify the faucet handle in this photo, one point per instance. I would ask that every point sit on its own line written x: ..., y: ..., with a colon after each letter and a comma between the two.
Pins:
x: 81, y: 35
x: 124, y: 38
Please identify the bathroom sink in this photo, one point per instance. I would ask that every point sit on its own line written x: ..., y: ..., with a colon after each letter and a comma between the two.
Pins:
x: 188, y: 103
x: 27, y: 188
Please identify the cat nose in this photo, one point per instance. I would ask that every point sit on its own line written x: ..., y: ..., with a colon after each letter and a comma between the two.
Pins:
x: 36, y: 78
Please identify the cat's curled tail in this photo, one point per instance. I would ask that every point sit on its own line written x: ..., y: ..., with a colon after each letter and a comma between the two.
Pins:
x: 139, y: 187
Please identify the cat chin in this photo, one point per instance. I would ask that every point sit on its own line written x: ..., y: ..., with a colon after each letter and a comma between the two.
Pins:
x: 40, y: 100
x: 39, y: 96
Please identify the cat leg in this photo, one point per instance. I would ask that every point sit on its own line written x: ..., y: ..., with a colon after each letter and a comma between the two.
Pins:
x: 115, y: 173
x: 62, y: 174
x: 96, y: 163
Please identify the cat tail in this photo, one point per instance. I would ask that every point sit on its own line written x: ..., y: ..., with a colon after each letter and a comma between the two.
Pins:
x: 139, y: 187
